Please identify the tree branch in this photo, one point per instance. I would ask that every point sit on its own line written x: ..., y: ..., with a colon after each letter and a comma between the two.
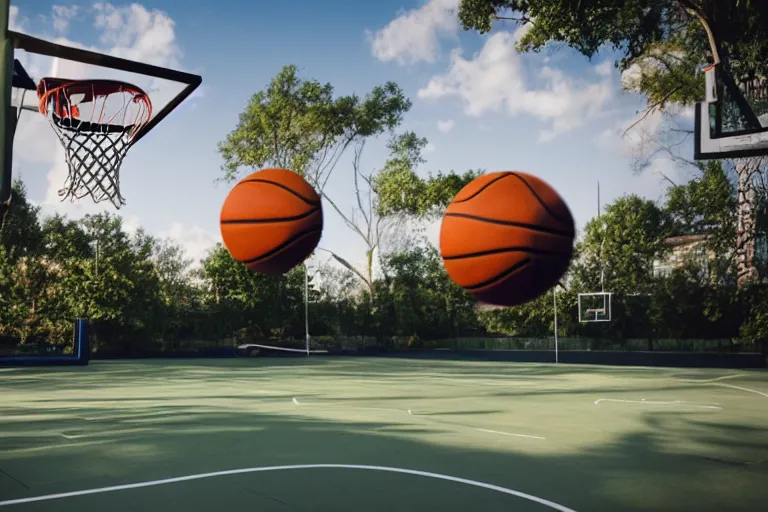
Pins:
x: 356, y: 173
x: 348, y: 266
x: 346, y: 219
x: 522, y: 19
x: 650, y: 109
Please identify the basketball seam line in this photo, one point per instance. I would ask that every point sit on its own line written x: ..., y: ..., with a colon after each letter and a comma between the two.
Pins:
x: 538, y: 198
x: 280, y: 185
x: 282, y: 246
x: 504, y: 175
x: 508, y: 272
x: 532, y: 227
x: 528, y: 250
x: 271, y: 220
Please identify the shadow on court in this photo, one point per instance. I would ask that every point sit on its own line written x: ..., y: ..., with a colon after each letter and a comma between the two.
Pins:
x: 123, y: 423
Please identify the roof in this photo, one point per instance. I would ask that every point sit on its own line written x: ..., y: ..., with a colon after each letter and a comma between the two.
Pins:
x: 675, y: 241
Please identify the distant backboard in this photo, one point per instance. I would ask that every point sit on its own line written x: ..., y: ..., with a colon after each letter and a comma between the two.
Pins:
x: 594, y: 307
x: 104, y: 135
x: 732, y: 122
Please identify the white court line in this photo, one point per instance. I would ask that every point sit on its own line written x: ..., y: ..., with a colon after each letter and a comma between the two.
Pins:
x: 65, y: 436
x: 508, y: 434
x: 704, y: 381
x: 410, y: 413
x: 742, y: 389
x: 652, y: 402
x: 484, y: 382
x: 200, y: 476
x: 107, y: 433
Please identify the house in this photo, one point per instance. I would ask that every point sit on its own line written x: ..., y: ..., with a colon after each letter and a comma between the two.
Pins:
x: 683, y: 249
x: 693, y: 248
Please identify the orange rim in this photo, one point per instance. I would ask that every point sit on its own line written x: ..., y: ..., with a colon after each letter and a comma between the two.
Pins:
x: 57, y: 90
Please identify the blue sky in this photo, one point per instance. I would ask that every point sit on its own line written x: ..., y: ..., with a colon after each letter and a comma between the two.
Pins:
x: 553, y: 114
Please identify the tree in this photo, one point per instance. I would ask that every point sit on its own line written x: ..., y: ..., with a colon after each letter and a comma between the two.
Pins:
x: 368, y: 220
x: 665, y: 42
x: 403, y: 192
x: 738, y: 27
x: 242, y: 300
x: 706, y: 206
x: 298, y: 124
x: 417, y: 287
x: 621, y: 246
x: 181, y: 300
x: 20, y: 232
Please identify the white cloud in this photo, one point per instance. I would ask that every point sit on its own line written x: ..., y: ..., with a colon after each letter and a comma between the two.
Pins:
x: 445, y: 126
x: 195, y: 240
x: 494, y: 80
x: 630, y: 78
x: 429, y: 148
x: 414, y: 36
x: 604, y: 68
x: 62, y: 15
x: 15, y: 22
x: 639, y: 133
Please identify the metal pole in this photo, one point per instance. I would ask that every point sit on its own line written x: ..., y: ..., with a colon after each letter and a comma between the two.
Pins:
x: 554, y: 303
x: 602, y: 241
x: 7, y: 111
x: 306, y: 306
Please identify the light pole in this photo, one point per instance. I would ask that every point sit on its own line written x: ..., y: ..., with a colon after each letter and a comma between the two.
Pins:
x: 96, y: 242
x: 554, y: 304
x: 306, y: 307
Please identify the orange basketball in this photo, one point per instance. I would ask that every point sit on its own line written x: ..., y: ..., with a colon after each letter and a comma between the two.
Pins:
x: 271, y: 221
x: 506, y: 238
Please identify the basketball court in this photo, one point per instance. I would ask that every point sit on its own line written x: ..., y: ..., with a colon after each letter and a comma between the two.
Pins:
x: 324, y: 433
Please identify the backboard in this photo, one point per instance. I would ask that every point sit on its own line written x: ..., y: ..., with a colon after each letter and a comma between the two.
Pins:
x: 16, y: 82
x: 594, y: 307
x: 732, y: 122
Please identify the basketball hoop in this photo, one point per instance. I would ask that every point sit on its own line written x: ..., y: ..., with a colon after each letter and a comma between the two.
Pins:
x: 96, y: 121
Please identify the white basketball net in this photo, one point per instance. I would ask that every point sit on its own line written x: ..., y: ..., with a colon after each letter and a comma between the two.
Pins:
x: 96, y: 122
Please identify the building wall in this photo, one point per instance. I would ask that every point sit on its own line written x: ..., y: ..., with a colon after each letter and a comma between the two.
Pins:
x: 683, y: 249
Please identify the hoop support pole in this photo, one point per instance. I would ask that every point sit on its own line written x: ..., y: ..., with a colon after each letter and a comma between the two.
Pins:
x: 7, y: 111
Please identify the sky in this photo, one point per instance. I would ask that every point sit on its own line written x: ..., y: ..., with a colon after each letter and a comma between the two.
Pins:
x: 480, y: 104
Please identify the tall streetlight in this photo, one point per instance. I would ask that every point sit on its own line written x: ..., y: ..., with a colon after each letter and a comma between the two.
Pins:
x: 554, y: 305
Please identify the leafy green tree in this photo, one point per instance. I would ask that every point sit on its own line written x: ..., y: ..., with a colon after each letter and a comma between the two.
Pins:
x: 181, y: 299
x: 20, y: 232
x: 417, y: 287
x: 259, y: 305
x: 403, y: 192
x: 25, y: 287
x: 620, y: 247
x: 754, y: 329
x: 706, y: 206
x: 298, y: 124
x: 634, y: 28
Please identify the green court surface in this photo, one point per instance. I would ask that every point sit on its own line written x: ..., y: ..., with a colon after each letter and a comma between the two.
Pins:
x: 354, y: 434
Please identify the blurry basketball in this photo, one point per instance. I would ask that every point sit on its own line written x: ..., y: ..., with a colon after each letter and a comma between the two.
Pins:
x: 506, y: 238
x: 271, y: 221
